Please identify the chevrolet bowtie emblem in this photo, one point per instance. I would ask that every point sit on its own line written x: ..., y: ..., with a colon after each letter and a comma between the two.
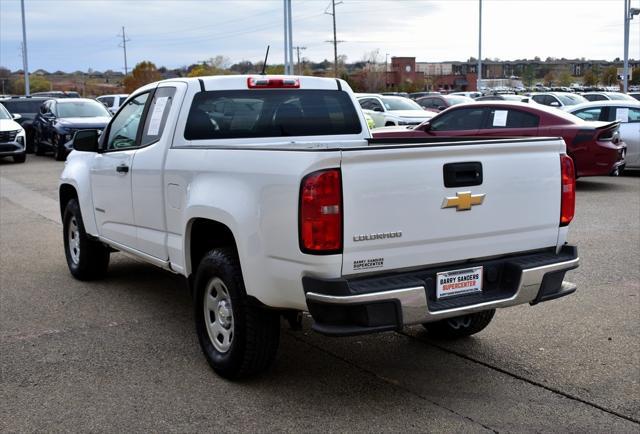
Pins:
x: 463, y: 201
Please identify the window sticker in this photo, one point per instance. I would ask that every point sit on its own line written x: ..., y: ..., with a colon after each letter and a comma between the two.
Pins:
x: 622, y: 114
x: 500, y: 118
x: 156, y: 116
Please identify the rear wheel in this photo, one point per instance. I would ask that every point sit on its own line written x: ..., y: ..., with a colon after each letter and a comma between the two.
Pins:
x: 460, y: 326
x: 238, y: 337
x: 389, y: 124
x: 88, y: 259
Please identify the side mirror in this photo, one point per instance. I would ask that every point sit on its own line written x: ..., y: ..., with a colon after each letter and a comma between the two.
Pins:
x: 86, y: 141
x: 555, y: 104
x: 16, y: 116
x: 425, y: 126
x: 378, y: 109
x: 440, y: 108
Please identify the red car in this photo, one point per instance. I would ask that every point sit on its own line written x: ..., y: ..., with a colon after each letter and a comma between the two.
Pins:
x: 595, y: 147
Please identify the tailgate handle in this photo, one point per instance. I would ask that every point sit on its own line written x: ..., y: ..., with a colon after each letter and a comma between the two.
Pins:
x: 462, y: 174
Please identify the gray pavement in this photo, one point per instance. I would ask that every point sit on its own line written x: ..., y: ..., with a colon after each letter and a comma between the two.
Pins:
x: 121, y: 354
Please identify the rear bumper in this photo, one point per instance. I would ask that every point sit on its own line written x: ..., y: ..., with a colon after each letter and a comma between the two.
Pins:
x: 344, y: 307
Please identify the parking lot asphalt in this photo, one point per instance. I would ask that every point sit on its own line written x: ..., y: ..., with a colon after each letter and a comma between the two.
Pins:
x: 121, y: 354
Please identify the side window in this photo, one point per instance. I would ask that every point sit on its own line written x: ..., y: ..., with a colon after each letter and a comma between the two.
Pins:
x: 540, y: 99
x: 124, y: 127
x: 459, y: 120
x: 157, y: 117
x: 365, y: 103
x: 623, y: 114
x: 589, y: 114
x: 597, y: 97
x: 512, y: 119
x: 634, y: 115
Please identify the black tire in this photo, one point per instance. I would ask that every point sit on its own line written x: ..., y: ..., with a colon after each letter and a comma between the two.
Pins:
x: 59, y: 153
x: 89, y: 258
x: 20, y: 158
x: 29, y: 137
x: 461, y: 326
x: 37, y: 145
x: 254, y: 330
x: 389, y: 124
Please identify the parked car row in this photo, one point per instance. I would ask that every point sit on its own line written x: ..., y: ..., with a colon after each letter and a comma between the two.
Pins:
x: 595, y: 145
x: 48, y: 120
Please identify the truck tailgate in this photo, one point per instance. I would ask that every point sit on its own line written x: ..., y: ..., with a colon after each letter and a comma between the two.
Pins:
x: 394, y: 198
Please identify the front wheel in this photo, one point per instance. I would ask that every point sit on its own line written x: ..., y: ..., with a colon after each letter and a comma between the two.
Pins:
x: 38, y: 149
x: 88, y: 259
x: 59, y: 153
x: 238, y: 337
x: 460, y: 326
x: 20, y: 158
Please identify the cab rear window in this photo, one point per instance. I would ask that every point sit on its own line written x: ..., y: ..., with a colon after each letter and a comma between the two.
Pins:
x: 237, y: 114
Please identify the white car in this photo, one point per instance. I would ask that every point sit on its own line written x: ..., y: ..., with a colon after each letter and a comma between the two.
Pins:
x: 13, y: 141
x: 561, y: 100
x: 268, y: 194
x: 627, y: 112
x: 472, y: 95
x: 393, y: 110
x: 113, y: 102
x: 607, y: 96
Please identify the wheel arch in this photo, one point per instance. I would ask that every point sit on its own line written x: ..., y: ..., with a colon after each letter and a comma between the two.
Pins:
x: 202, y: 235
x: 66, y: 192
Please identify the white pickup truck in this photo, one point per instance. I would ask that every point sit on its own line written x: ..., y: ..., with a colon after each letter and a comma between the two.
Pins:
x: 268, y: 194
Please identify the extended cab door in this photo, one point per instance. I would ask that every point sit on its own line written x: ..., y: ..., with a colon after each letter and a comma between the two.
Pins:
x: 148, y: 187
x: 111, y: 174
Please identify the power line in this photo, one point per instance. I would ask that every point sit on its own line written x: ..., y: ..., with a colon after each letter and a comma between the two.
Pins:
x: 123, y: 44
x: 298, y: 48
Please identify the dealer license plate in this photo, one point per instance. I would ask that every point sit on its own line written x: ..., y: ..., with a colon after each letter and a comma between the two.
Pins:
x: 459, y: 282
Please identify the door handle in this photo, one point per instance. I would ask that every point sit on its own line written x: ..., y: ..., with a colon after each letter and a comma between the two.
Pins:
x: 123, y: 168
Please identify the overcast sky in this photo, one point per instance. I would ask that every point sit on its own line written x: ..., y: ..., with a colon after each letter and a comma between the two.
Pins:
x: 74, y: 35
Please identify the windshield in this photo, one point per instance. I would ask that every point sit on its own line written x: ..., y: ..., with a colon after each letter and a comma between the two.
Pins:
x: 4, y: 114
x: 571, y: 99
x: 81, y: 109
x: 621, y: 96
x: 458, y: 99
x: 400, y: 104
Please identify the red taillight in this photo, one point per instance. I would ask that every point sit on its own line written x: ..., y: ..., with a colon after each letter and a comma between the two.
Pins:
x: 568, y: 192
x: 272, y: 83
x: 321, y: 212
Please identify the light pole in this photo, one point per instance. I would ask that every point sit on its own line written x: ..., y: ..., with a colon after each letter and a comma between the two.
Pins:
x: 25, y: 63
x: 629, y: 13
x: 288, y: 43
x: 386, y: 71
x: 479, y: 67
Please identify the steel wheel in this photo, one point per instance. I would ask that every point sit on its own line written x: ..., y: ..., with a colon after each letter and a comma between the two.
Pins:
x: 73, y: 238
x: 218, y: 314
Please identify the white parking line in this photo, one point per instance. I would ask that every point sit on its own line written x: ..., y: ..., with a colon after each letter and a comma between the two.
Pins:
x: 29, y: 199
